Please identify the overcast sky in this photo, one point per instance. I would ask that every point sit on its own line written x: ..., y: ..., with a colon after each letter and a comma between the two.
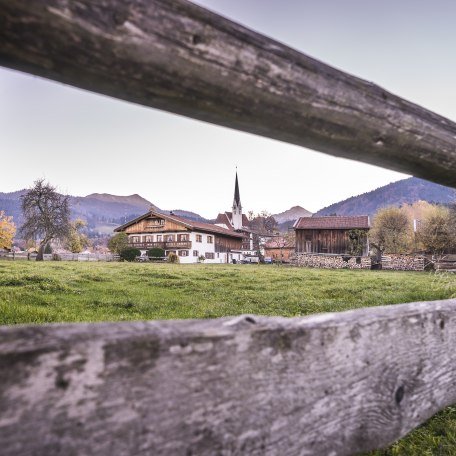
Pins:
x: 85, y: 143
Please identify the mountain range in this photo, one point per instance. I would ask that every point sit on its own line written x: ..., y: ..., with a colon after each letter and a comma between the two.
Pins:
x: 405, y: 191
x: 103, y: 212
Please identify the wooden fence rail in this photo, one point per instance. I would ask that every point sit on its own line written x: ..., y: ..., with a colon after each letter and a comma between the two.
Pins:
x: 326, y: 384
x: 176, y: 56
x: 329, y: 384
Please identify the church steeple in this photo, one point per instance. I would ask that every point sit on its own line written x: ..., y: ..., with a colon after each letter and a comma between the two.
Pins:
x: 237, y: 207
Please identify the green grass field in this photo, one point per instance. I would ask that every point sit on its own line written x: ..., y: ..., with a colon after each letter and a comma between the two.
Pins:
x: 33, y: 292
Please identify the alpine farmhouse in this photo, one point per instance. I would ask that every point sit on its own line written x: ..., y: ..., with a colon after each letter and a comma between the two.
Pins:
x: 186, y: 238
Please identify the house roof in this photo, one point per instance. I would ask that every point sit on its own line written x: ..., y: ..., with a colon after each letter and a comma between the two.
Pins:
x: 334, y: 222
x: 279, y: 242
x: 191, y: 224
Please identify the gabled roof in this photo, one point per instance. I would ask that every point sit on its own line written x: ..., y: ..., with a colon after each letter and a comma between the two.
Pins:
x: 279, y: 242
x: 226, y: 218
x: 334, y: 222
x: 191, y: 224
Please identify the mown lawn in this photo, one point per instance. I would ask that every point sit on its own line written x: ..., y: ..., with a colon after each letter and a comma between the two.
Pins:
x: 33, y: 292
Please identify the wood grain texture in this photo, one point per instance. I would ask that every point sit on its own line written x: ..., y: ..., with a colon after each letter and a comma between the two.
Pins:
x: 333, y: 384
x: 176, y: 56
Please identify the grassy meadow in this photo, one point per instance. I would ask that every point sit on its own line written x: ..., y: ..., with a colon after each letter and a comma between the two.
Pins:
x: 48, y: 292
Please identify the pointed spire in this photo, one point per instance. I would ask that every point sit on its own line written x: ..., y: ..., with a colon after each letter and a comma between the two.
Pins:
x: 237, y: 197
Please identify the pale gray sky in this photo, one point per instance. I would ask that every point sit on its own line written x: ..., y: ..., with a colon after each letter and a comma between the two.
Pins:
x: 85, y: 143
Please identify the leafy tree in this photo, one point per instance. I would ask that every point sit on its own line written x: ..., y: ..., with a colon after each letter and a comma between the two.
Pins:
x: 46, y: 214
x: 452, y: 215
x: 356, y: 242
x: 435, y: 231
x: 118, y: 242
x: 7, y: 231
x: 76, y: 241
x: 129, y: 254
x: 391, y: 231
x: 156, y: 253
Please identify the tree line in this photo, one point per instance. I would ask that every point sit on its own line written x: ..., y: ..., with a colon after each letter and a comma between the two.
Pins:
x: 418, y: 228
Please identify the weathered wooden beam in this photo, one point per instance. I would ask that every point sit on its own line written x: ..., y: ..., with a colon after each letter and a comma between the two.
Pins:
x: 327, y: 384
x: 176, y: 56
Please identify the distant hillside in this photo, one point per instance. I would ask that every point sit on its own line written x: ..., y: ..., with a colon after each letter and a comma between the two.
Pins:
x: 292, y: 214
x: 102, y: 211
x: 395, y: 194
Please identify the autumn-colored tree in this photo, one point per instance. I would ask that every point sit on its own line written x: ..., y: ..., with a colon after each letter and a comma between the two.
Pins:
x: 392, y: 231
x: 435, y: 234
x: 77, y: 241
x: 46, y: 214
x: 118, y: 242
x: 7, y: 231
x: 452, y: 210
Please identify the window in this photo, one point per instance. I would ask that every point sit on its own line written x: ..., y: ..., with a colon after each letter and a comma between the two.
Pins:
x: 210, y: 239
x: 149, y: 238
x: 182, y: 237
x: 153, y: 223
x: 135, y: 239
x: 183, y: 253
x: 159, y: 238
x: 195, y: 253
x: 199, y: 238
x: 210, y: 255
x: 169, y: 238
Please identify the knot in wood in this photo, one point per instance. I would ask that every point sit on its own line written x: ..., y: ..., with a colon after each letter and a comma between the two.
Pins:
x: 399, y: 395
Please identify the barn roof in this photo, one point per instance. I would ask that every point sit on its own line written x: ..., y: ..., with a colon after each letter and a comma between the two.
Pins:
x: 333, y: 222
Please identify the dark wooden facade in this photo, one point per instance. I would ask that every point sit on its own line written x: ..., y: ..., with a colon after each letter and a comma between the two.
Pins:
x: 324, y: 241
x: 330, y: 234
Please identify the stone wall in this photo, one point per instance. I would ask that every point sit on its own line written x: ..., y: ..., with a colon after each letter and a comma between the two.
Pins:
x: 328, y: 261
x: 403, y: 262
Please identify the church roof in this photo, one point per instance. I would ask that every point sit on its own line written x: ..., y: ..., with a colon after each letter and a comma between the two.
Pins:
x: 237, y: 197
x: 226, y: 218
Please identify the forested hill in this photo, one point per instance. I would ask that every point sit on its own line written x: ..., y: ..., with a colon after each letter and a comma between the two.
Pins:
x: 103, y: 212
x: 395, y: 194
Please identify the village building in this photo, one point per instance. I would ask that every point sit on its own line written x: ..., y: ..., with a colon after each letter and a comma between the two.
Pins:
x: 186, y: 238
x: 279, y: 248
x: 238, y: 222
x: 331, y: 234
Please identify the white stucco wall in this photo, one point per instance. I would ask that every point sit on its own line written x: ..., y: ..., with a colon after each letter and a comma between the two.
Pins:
x: 202, y: 247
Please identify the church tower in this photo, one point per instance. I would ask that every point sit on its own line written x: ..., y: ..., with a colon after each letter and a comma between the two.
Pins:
x: 237, y: 208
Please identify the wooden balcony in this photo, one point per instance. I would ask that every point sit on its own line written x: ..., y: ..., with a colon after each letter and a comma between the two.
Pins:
x: 162, y: 245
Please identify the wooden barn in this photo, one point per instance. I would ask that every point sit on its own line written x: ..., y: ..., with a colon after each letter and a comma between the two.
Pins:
x: 332, y: 234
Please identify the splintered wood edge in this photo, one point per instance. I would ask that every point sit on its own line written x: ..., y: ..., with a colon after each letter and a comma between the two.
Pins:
x: 337, y: 383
